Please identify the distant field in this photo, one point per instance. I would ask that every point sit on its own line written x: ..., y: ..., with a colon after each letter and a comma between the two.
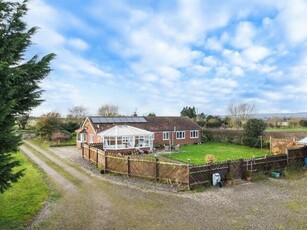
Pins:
x: 19, y: 204
x: 285, y: 129
x: 222, y: 152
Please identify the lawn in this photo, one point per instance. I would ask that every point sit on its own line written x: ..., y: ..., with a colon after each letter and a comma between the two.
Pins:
x: 20, y: 203
x: 222, y: 152
x: 287, y: 129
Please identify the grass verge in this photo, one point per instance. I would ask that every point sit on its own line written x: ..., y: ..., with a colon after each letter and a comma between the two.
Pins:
x: 222, y: 152
x: 21, y: 203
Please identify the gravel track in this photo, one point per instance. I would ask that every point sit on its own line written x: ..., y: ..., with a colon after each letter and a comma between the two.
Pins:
x: 116, y: 202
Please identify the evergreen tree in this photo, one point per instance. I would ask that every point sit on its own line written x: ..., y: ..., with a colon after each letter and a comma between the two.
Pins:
x: 19, y: 80
x: 189, y: 112
x: 253, y: 129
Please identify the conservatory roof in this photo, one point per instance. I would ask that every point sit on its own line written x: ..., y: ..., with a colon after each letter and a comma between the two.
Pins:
x: 303, y: 141
x: 124, y: 130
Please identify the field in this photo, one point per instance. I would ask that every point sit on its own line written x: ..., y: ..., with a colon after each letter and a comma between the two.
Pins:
x: 222, y: 152
x: 287, y: 129
x: 21, y: 202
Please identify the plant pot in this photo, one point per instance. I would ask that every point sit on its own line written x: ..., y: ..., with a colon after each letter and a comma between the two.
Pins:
x: 229, y: 182
x: 248, y: 178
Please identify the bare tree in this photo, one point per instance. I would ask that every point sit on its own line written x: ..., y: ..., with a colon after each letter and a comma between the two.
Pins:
x: 108, y: 110
x: 77, y: 113
x: 240, y: 113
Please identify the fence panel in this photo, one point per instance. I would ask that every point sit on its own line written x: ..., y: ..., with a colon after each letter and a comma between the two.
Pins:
x: 101, y: 158
x: 297, y: 156
x: 174, y: 172
x: 235, y: 167
x: 200, y: 175
x: 117, y: 164
x: 142, y: 168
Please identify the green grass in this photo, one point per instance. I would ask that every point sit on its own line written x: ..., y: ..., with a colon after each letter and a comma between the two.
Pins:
x: 222, y: 152
x: 45, y: 144
x: 21, y: 203
x: 286, y: 129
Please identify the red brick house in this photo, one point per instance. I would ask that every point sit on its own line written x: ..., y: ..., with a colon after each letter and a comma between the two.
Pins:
x: 120, y: 133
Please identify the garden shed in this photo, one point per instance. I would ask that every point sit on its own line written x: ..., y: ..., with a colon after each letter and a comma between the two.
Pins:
x: 121, y: 137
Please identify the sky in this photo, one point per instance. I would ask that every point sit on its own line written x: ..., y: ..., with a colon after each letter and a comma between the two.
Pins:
x: 161, y: 55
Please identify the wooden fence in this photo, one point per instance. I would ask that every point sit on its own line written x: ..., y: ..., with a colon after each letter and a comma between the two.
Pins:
x: 185, y: 174
x: 148, y: 167
x: 279, y: 146
x: 202, y: 174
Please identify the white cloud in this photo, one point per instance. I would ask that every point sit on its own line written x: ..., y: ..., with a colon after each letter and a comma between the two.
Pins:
x: 293, y: 19
x: 256, y: 53
x: 210, y: 61
x: 244, y: 35
x: 237, y: 71
x: 78, y: 44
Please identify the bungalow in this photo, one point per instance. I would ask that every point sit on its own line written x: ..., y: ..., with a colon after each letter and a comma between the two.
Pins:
x: 127, y: 133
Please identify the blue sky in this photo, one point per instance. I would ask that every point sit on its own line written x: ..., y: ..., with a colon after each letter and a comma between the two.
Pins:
x: 159, y: 56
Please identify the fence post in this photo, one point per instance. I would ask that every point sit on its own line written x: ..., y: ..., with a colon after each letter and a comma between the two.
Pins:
x: 156, y: 168
x: 241, y: 168
x: 266, y: 163
x: 96, y: 157
x: 89, y: 153
x: 82, y: 148
x: 270, y: 144
x: 105, y: 163
x: 287, y: 154
x: 189, y: 182
x: 128, y: 166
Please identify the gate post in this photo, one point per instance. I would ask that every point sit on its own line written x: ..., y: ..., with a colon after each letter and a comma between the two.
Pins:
x: 189, y: 181
x: 156, y: 168
x: 96, y: 157
x: 128, y: 166
x: 105, y: 163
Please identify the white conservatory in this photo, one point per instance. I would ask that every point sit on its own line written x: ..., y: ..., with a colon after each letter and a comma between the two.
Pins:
x: 126, y: 137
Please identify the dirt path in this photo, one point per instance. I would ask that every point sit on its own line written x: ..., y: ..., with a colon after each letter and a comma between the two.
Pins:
x: 91, y: 202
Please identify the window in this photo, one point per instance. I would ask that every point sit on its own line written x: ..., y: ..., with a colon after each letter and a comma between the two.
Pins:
x: 180, y: 135
x: 81, y: 137
x: 91, y: 138
x: 165, y: 135
x: 194, y: 134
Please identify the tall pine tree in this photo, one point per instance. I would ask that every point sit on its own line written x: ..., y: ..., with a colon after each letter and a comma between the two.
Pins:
x: 19, y: 78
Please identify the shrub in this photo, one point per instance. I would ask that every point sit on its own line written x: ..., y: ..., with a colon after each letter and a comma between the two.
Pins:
x: 248, y: 173
x: 253, y: 129
x: 210, y: 158
x: 229, y: 176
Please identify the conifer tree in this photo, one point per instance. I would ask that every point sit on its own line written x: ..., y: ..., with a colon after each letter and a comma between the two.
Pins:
x: 19, y: 79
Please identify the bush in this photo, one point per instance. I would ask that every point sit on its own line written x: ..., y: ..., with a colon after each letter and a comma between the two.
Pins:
x: 70, y: 126
x: 223, y: 135
x: 253, y: 129
x: 210, y: 158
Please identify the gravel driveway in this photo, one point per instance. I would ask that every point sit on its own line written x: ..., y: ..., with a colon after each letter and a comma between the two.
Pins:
x: 113, y: 202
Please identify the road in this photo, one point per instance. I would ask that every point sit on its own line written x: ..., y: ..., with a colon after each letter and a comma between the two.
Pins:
x: 90, y: 201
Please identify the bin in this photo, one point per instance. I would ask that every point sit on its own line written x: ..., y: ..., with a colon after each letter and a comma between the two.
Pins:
x: 216, y: 179
x: 305, y: 161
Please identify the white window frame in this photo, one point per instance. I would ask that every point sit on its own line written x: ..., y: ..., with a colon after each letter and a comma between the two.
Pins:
x: 165, y: 136
x: 180, y: 135
x: 194, y: 134
x: 91, y: 138
x: 81, y: 137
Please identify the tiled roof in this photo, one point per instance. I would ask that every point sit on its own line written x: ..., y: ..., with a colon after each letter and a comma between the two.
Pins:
x: 154, y: 124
